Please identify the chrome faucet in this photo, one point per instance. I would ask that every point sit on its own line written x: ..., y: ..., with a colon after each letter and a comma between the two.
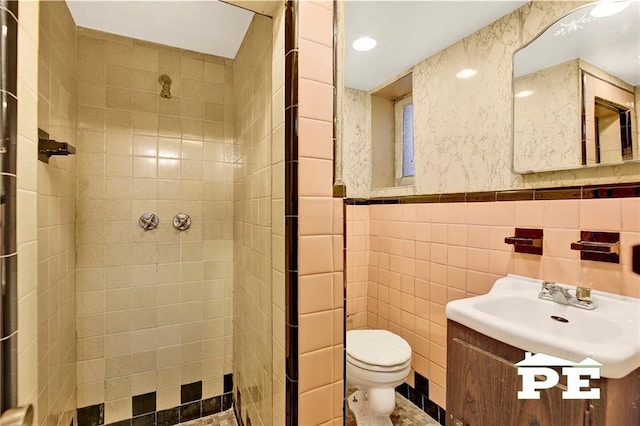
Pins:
x: 559, y: 294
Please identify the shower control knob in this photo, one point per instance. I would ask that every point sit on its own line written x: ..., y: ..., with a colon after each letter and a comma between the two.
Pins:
x: 182, y: 221
x: 148, y: 221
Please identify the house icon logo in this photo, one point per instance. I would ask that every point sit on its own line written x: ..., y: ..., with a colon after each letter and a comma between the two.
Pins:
x: 578, y: 375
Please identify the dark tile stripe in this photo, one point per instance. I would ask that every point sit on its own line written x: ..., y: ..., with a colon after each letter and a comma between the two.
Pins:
x: 91, y: 416
x: 291, y: 211
x: 568, y: 193
x: 143, y: 404
x: 228, y: 383
x: 523, y: 195
x: 191, y: 392
x: 227, y: 401
x: 622, y: 190
x: 145, y: 420
x: 121, y: 423
x: 168, y: 417
x: 190, y: 411
x: 94, y: 415
x: 213, y: 405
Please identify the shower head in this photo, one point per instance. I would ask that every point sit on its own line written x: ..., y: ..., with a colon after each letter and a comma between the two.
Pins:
x: 165, y: 81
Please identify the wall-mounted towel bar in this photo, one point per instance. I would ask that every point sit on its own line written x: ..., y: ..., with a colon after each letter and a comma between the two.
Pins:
x: 48, y: 147
x: 526, y: 241
x: 598, y: 246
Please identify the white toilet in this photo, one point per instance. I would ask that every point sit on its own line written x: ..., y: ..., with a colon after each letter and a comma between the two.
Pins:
x: 377, y: 361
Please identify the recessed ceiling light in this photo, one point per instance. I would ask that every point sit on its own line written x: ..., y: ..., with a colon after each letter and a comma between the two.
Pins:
x: 364, y: 44
x: 609, y: 8
x: 467, y: 73
x: 524, y: 93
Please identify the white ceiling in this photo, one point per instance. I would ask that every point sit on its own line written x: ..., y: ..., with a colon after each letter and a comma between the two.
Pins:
x: 203, y: 26
x: 611, y: 43
x: 408, y: 32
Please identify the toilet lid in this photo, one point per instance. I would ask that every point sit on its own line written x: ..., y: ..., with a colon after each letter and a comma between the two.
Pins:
x: 377, y: 347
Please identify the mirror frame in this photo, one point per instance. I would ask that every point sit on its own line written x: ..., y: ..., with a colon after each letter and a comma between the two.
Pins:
x: 513, y: 109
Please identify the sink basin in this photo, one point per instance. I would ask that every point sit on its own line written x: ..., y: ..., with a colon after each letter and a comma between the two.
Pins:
x: 512, y: 313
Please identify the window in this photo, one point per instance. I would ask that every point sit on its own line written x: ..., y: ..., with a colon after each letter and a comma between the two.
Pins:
x: 392, y: 134
x: 405, y: 167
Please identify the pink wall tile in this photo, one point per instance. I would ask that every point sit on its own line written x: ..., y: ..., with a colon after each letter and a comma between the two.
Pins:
x: 421, y: 308
x: 527, y: 265
x: 562, y: 214
x: 438, y: 253
x: 600, y: 276
x: 457, y: 235
x: 316, y: 406
x: 315, y: 178
x: 557, y: 243
x: 422, y: 289
x: 600, y: 215
x: 478, y: 236
x: 630, y: 285
x: 409, y: 212
x: 627, y: 241
x: 438, y: 293
x: 315, y: 254
x: 314, y: 219
x: 421, y: 346
x: 561, y: 270
x: 439, y: 233
x: 423, y: 231
x: 499, y: 262
x: 315, y: 61
x: 315, y: 331
x: 457, y: 213
x: 423, y: 213
x: 630, y: 208
x: 502, y: 213
x: 478, y: 260
x: 529, y: 214
x: 478, y: 213
x: 438, y: 273
x: 313, y: 369
x: 439, y: 213
x: 318, y: 139
x: 316, y: 101
x: 315, y: 293
x: 497, y: 234
x: 456, y: 278
x: 478, y: 282
x: 315, y: 23
x: 457, y: 256
x: 421, y: 327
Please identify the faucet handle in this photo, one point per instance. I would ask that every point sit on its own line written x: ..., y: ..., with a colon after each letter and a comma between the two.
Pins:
x: 547, y: 286
x: 583, y: 294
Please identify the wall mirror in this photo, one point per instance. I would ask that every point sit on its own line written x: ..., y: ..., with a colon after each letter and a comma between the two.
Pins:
x: 576, y: 91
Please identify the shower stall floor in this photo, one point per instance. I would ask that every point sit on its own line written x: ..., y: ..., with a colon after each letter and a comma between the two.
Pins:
x: 226, y: 418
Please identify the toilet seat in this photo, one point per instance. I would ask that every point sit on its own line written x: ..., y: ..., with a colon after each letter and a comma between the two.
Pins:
x: 377, y: 350
x: 379, y: 368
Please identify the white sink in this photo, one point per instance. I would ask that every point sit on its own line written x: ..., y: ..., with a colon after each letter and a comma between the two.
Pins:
x: 512, y: 313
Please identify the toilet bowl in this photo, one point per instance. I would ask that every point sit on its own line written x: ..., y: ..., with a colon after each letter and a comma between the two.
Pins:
x: 377, y: 361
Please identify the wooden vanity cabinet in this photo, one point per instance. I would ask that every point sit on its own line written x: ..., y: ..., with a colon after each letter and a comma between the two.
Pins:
x: 482, y: 386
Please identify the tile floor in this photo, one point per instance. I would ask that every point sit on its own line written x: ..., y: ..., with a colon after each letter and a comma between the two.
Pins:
x: 405, y: 414
x: 226, y: 418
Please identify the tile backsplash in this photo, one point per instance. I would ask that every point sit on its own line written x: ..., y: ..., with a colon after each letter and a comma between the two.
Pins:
x: 422, y: 256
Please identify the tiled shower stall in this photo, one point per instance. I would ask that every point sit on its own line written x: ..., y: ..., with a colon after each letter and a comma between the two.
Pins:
x: 120, y: 324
